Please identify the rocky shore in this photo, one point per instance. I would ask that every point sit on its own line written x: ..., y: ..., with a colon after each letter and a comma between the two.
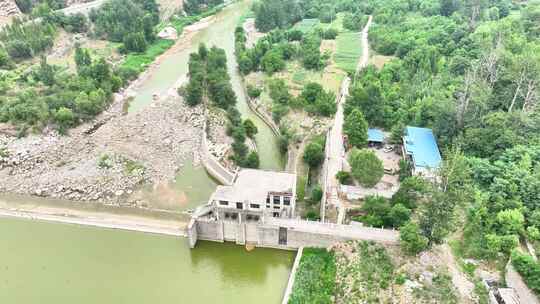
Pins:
x: 106, y: 159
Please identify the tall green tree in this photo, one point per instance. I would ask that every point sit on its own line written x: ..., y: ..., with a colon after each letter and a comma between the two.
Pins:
x: 355, y: 127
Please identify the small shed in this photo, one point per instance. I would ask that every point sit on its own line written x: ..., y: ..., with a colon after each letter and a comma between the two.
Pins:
x: 375, y: 138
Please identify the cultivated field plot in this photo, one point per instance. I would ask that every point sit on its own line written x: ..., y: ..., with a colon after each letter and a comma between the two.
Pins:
x: 307, y: 25
x: 348, y: 51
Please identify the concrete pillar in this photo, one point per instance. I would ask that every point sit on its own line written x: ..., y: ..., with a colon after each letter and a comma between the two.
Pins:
x: 192, y: 233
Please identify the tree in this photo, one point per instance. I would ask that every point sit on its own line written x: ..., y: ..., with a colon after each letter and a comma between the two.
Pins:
x: 135, y: 42
x: 399, y: 215
x: 411, y: 191
x: 252, y: 160
x: 314, y: 154
x: 451, y: 188
x: 272, y: 62
x: 355, y: 127
x: 82, y: 58
x: 366, y: 167
x: 311, y: 92
x: 250, y: 127
x: 511, y: 221
x: 411, y: 239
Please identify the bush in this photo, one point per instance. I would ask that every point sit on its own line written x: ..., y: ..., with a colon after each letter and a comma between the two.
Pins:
x: 411, y: 239
x: 316, y: 194
x: 344, y: 178
x: 314, y: 154
x: 253, y: 91
x: 366, y: 167
x: 252, y: 160
x: 528, y: 268
x: 330, y: 34
x: 250, y: 128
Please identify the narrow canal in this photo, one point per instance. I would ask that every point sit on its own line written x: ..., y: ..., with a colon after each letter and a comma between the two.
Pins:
x: 58, y: 263
x: 64, y: 264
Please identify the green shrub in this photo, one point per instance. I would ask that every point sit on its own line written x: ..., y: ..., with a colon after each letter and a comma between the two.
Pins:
x: 344, y: 178
x: 316, y: 194
x: 253, y: 91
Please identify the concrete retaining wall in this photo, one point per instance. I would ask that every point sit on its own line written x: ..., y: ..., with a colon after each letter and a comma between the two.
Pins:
x: 263, y: 116
x: 212, y: 165
x: 292, y: 276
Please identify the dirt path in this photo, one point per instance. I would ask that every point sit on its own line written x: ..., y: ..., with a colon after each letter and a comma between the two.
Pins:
x: 463, y: 285
x: 365, y: 46
x: 335, y: 149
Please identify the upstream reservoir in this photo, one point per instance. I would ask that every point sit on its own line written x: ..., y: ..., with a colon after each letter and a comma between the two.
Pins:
x: 63, y: 264
x: 52, y: 263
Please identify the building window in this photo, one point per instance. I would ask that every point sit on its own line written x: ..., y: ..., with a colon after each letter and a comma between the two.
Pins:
x: 223, y: 203
x: 239, y: 206
x: 254, y: 206
x: 287, y: 201
x: 267, y: 206
x: 268, y: 199
x: 276, y: 214
x: 277, y: 199
x: 276, y: 207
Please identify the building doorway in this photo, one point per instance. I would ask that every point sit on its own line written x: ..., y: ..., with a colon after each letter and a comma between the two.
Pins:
x: 283, y: 236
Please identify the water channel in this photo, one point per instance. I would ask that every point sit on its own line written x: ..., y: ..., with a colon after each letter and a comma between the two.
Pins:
x: 59, y: 263
x: 220, y: 33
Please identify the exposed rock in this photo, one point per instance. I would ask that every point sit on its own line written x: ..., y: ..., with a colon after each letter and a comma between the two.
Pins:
x: 168, y: 32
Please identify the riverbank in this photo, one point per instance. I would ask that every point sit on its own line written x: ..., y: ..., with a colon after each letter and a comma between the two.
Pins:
x: 155, y: 222
x: 107, y: 159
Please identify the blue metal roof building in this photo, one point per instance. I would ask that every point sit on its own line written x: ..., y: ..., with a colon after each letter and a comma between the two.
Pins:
x: 421, y: 146
x: 375, y: 135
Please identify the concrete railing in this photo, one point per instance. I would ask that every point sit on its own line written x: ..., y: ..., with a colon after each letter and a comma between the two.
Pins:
x: 212, y: 165
x: 351, y: 232
x: 263, y: 116
x: 292, y: 276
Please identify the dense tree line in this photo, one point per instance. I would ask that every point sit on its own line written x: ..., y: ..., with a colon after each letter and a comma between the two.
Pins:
x: 195, y: 7
x: 22, y: 40
x: 208, y: 78
x: 63, y: 99
x: 26, y: 6
x: 127, y: 21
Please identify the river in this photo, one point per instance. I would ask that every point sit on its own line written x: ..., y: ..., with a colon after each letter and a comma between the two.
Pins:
x: 193, y: 186
x: 60, y: 263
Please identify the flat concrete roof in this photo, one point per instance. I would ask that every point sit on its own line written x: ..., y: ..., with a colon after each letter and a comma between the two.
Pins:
x: 253, y: 186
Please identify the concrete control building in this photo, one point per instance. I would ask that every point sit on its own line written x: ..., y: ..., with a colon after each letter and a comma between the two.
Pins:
x: 258, y: 209
x: 254, y: 194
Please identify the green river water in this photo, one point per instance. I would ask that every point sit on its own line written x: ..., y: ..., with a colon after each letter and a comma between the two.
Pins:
x: 220, y: 33
x: 64, y: 264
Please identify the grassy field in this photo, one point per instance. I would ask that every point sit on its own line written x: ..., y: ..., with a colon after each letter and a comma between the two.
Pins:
x: 307, y: 25
x: 138, y: 61
x: 348, y: 51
